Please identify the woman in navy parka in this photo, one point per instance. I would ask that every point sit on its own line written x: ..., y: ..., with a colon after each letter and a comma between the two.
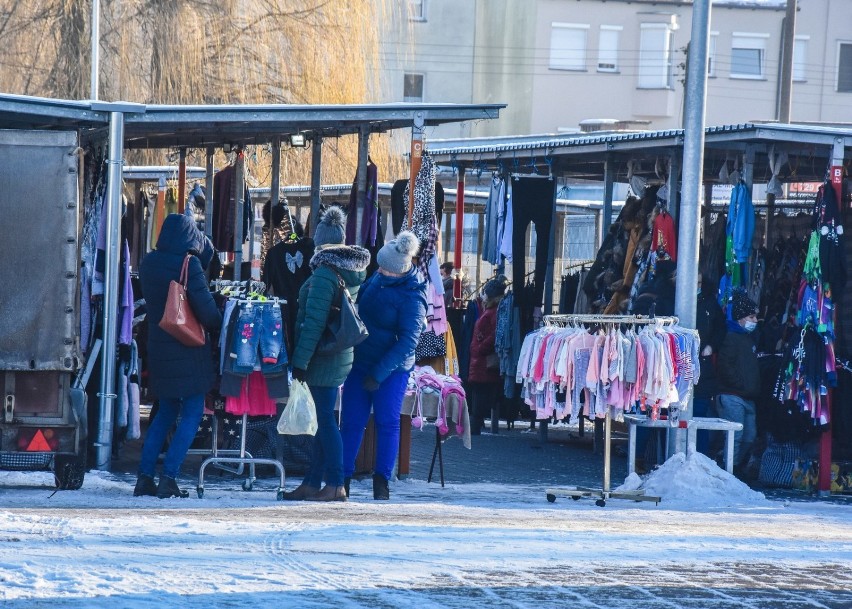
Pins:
x: 392, y: 304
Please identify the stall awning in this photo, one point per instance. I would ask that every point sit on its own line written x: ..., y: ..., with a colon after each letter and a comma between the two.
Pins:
x: 582, y: 156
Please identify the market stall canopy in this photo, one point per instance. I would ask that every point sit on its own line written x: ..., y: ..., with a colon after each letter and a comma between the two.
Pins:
x: 582, y: 156
x: 167, y: 126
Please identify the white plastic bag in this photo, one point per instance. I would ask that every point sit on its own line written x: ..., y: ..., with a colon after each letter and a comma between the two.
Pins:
x: 300, y: 414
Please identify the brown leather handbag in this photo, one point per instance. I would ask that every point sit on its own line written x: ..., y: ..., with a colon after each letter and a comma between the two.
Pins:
x: 178, y: 319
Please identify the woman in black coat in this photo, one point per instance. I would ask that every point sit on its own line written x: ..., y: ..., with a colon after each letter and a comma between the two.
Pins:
x: 179, y: 376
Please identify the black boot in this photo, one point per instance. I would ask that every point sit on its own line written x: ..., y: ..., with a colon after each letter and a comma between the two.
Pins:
x: 145, y: 486
x: 168, y: 488
x: 346, y: 482
x: 380, y: 487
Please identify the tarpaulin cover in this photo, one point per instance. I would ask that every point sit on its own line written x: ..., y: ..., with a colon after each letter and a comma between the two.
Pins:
x: 39, y: 313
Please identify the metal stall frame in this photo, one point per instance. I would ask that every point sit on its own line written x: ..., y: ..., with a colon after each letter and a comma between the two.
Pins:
x: 137, y: 126
x: 595, y: 157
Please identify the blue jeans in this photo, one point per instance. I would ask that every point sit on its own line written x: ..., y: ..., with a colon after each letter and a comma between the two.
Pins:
x: 259, y: 329
x: 703, y: 407
x: 735, y: 408
x: 386, y: 403
x: 190, y: 409
x: 327, y: 458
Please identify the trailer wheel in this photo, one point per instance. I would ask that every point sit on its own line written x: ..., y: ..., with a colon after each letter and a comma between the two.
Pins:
x: 69, y: 472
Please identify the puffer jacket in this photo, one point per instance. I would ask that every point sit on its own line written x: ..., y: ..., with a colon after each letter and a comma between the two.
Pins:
x: 737, y: 369
x: 394, y: 311
x: 482, y: 345
x: 175, y: 370
x: 315, y: 299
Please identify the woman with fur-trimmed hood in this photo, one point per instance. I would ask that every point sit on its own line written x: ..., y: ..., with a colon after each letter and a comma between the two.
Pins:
x: 325, y: 372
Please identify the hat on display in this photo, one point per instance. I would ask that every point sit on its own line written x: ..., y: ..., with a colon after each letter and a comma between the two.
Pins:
x: 331, y: 229
x: 743, y: 306
x: 395, y: 255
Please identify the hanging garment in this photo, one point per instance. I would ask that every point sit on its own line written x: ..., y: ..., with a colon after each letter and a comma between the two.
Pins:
x: 287, y: 267
x: 423, y: 222
x: 533, y: 200
x: 223, y: 209
x: 494, y: 220
x: 664, y: 236
x: 369, y: 209
x: 740, y: 226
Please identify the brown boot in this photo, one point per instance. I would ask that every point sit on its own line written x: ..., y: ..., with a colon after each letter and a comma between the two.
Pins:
x: 302, y: 492
x: 330, y: 493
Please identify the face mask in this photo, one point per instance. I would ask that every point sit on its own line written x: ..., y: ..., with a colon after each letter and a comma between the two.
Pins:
x: 699, y: 291
x: 750, y: 326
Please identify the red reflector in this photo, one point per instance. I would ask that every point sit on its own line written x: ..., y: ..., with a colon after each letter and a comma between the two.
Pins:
x: 38, y: 443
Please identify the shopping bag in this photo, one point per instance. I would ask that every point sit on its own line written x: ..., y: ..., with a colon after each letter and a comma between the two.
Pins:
x: 300, y: 413
x: 178, y: 319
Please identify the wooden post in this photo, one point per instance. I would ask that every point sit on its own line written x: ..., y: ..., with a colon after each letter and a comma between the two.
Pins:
x: 182, y: 181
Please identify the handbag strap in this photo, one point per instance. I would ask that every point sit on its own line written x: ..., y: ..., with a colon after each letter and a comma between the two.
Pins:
x: 184, y: 272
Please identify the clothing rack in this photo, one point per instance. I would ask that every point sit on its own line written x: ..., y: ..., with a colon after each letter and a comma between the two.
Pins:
x: 221, y: 458
x: 605, y: 493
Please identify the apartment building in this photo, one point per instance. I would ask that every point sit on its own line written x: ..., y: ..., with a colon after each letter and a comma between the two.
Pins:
x: 566, y: 64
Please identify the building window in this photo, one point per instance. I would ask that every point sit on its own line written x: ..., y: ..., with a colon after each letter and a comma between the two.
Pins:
x: 568, y: 46
x: 748, y: 53
x: 655, y: 56
x: 417, y: 10
x: 844, y: 67
x: 800, y: 58
x: 608, y: 48
x: 412, y: 88
x: 711, y: 54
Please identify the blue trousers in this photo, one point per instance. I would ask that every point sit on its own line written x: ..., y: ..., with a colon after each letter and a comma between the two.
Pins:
x: 190, y: 410
x: 327, y: 458
x: 386, y: 404
x: 735, y: 408
x: 703, y: 407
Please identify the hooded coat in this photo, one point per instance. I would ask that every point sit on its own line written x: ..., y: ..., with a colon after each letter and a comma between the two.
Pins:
x: 175, y: 370
x: 394, y: 311
x: 315, y: 298
x: 483, y: 344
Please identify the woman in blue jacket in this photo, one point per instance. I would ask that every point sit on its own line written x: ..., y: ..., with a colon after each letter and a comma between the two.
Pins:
x: 179, y: 376
x: 392, y: 304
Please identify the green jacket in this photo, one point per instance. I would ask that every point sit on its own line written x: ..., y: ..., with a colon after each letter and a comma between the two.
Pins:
x: 315, y: 298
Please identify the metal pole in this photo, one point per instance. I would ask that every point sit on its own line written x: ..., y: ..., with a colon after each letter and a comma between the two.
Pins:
x: 457, y: 251
x: 275, y: 186
x: 693, y: 159
x: 417, y: 145
x: 786, y: 95
x: 551, y: 255
x: 208, y: 200
x: 689, y: 228
x: 316, y: 181
x: 96, y: 51
x: 838, y: 154
x: 361, y: 182
x: 239, y: 197
x: 110, y: 313
x: 606, y: 213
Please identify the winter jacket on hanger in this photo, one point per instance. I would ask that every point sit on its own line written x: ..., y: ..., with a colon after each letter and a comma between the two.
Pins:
x: 740, y: 226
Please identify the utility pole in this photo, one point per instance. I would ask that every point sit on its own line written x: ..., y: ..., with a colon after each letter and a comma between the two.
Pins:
x: 786, y: 94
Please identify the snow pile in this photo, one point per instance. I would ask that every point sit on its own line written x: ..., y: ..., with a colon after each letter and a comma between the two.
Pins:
x: 694, y: 481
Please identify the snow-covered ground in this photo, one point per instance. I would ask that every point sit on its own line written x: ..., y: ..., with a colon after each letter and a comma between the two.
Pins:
x: 711, y: 542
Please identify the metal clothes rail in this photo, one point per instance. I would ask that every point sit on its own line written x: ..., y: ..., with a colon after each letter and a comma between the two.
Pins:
x: 605, y: 493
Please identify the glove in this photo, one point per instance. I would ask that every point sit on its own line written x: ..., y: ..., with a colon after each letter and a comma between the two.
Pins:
x: 370, y: 384
x: 299, y: 374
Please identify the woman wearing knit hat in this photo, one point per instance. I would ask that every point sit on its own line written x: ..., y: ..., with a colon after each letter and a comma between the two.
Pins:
x: 325, y: 372
x: 392, y: 304
x: 738, y: 376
